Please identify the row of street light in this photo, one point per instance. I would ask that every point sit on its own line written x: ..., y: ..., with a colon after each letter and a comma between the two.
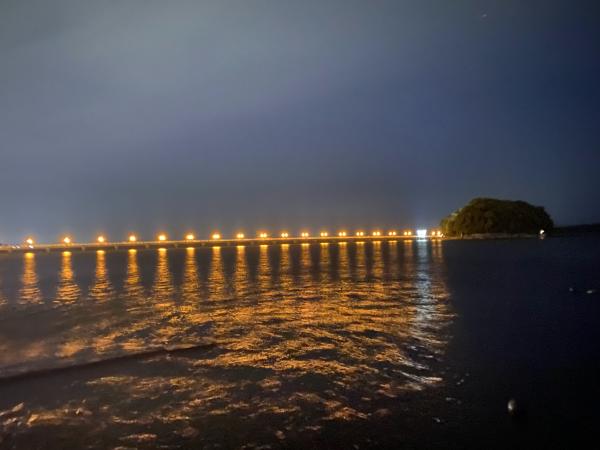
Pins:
x: 162, y: 237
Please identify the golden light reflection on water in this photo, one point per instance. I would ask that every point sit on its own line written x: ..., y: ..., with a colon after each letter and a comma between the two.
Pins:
x: 283, y: 278
x: 30, y: 291
x: 377, y: 260
x: 67, y: 291
x: 264, y: 271
x: 163, y: 291
x: 319, y: 333
x: 3, y: 300
x: 102, y: 289
x: 241, y: 278
x: 361, y: 261
x: 133, y: 284
x: 304, y: 261
x: 190, y: 286
x: 324, y: 262
x: 216, y: 279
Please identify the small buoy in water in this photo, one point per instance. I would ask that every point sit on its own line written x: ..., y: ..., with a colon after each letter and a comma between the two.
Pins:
x: 590, y: 291
x: 512, y: 406
x: 572, y: 289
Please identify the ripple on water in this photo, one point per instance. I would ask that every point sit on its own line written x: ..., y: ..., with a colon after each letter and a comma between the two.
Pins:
x: 305, y: 337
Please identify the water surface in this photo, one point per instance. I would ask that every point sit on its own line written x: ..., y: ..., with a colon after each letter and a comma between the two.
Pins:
x: 385, y: 344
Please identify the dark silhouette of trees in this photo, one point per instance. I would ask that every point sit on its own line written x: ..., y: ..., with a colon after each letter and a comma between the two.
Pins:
x: 489, y: 215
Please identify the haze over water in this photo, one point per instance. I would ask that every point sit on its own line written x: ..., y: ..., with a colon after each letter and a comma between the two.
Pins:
x: 336, y: 345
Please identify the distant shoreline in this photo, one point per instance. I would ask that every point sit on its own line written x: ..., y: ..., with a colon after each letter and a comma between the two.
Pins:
x: 577, y: 230
x: 484, y: 236
x: 566, y: 231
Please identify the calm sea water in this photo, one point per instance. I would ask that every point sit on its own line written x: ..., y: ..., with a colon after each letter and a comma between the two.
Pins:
x: 416, y: 344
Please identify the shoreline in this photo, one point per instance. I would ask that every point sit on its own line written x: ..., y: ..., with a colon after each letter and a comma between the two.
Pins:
x: 491, y: 236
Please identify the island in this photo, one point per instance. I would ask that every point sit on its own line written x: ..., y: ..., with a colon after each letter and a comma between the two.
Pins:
x: 490, y: 217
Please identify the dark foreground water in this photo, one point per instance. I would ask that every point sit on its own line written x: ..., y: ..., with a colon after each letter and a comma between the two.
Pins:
x: 399, y: 345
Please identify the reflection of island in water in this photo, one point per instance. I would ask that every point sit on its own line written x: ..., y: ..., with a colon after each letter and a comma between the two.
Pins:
x: 311, y: 333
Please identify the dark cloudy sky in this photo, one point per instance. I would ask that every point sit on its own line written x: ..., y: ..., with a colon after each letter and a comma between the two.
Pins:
x: 149, y: 115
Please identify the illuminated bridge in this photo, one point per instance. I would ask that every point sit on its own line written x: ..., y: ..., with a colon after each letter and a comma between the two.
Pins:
x: 262, y: 238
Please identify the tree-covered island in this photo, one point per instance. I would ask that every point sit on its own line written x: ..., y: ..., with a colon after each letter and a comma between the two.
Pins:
x: 489, y: 216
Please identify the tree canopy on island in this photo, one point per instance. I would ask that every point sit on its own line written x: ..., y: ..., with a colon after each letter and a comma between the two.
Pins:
x: 489, y: 215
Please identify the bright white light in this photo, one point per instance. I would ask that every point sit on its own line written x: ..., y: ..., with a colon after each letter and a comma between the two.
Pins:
x: 422, y: 233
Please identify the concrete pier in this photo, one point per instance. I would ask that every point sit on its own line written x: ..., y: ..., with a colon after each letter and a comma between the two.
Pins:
x: 124, y: 245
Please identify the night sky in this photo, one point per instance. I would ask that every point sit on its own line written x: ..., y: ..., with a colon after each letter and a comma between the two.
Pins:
x: 147, y: 116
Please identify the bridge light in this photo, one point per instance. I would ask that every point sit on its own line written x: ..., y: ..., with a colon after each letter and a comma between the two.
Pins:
x: 342, y: 234
x: 67, y: 240
x: 284, y: 235
x: 324, y: 234
x: 360, y: 233
x: 304, y: 234
x: 132, y: 238
x: 240, y: 236
x: 263, y: 235
x: 376, y: 233
x: 422, y: 233
x: 162, y: 237
x: 29, y: 241
x: 391, y: 233
x: 189, y: 237
x: 216, y: 236
x: 101, y: 239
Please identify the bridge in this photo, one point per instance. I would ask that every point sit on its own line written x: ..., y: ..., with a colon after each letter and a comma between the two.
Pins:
x: 215, y: 241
